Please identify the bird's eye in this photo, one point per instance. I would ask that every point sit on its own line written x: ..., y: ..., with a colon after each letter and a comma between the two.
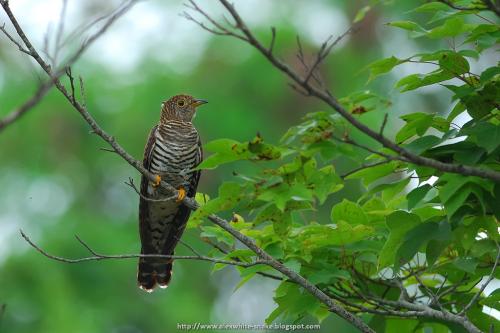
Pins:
x: 181, y: 103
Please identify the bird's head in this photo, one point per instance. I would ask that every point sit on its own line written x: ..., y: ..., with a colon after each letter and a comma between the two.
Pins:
x: 180, y: 107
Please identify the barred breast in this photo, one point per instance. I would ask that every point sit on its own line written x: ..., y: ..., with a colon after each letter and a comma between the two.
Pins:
x: 176, y: 152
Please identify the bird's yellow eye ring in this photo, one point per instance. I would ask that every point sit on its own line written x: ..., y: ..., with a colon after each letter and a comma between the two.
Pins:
x: 181, y: 102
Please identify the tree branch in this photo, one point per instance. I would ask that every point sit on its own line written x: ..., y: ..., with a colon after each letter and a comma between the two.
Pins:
x: 333, y: 306
x: 488, y: 5
x: 53, y: 76
x: 28, y: 105
x: 96, y: 256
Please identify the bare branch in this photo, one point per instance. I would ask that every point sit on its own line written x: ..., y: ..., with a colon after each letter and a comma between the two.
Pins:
x: 273, y: 38
x: 54, y: 76
x: 96, y: 256
x: 87, y: 246
x: 60, y: 31
x: 302, y: 59
x: 325, y: 51
x: 384, y: 122
x: 218, y: 29
x: 82, y: 93
x: 19, y: 46
x: 28, y: 105
x: 71, y: 81
x: 434, y: 299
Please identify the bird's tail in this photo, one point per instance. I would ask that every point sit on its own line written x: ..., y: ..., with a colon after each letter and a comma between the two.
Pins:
x: 153, y: 272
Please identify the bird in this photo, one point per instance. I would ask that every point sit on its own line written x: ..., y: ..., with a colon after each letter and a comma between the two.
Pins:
x: 172, y: 151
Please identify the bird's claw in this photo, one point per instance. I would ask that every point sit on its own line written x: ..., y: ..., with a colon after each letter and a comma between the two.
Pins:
x: 157, y: 181
x: 181, y: 194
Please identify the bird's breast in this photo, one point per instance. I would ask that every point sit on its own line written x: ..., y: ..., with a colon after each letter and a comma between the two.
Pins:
x: 176, y: 151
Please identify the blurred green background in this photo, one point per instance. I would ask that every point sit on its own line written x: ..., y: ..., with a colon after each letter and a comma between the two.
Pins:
x: 56, y: 182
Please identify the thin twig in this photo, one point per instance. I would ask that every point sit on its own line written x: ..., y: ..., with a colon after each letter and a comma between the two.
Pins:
x: 132, y: 185
x: 53, y: 76
x: 384, y: 122
x: 96, y: 256
x: 9, y: 36
x: 28, y: 105
x: 324, y: 51
x: 433, y: 296
x: 71, y: 82
x: 273, y: 38
x: 60, y: 31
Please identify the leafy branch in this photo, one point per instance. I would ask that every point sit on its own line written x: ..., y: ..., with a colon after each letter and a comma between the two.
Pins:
x: 332, y: 305
x: 242, y: 32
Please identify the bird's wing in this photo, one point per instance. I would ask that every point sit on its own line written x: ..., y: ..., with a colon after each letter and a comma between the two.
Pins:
x: 144, y: 204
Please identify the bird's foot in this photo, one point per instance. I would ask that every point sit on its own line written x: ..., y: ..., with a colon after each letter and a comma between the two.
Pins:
x: 181, y: 195
x: 157, y: 181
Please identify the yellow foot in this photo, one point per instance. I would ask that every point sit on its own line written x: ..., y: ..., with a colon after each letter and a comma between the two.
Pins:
x: 157, y: 181
x: 181, y: 195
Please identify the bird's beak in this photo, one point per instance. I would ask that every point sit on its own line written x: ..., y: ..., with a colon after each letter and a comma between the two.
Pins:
x: 198, y: 102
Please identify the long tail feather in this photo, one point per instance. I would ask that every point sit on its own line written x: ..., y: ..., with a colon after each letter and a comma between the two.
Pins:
x: 152, y: 273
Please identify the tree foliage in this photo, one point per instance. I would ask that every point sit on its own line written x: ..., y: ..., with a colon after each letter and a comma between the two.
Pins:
x: 413, y: 234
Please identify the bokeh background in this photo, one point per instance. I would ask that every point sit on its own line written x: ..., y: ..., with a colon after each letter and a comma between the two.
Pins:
x: 55, y: 181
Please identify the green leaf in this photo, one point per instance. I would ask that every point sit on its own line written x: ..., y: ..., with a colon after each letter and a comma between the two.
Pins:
x: 458, y: 109
x: 414, y: 81
x: 315, y: 236
x: 407, y: 25
x: 493, y: 300
x: 383, y: 66
x: 434, y: 250
x: 487, y: 136
x: 348, y: 211
x: 423, y: 143
x: 469, y: 53
x: 489, y: 73
x: 369, y: 175
x: 284, y: 192
x: 216, y: 232
x: 414, y: 239
x: 453, y: 184
x: 457, y: 200
x: 454, y: 63
x: 229, y: 193
x: 360, y: 15
x: 480, y: 103
x: 466, y: 264
x: 450, y: 28
x: 431, y: 7
x: 323, y: 182
x: 416, y: 123
x: 416, y: 195
x: 225, y: 151
x: 399, y: 223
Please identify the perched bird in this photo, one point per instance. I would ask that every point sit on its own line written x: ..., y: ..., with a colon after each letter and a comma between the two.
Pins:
x: 172, y: 151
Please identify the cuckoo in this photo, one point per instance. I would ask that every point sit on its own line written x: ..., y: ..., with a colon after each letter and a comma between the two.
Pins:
x: 172, y: 151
